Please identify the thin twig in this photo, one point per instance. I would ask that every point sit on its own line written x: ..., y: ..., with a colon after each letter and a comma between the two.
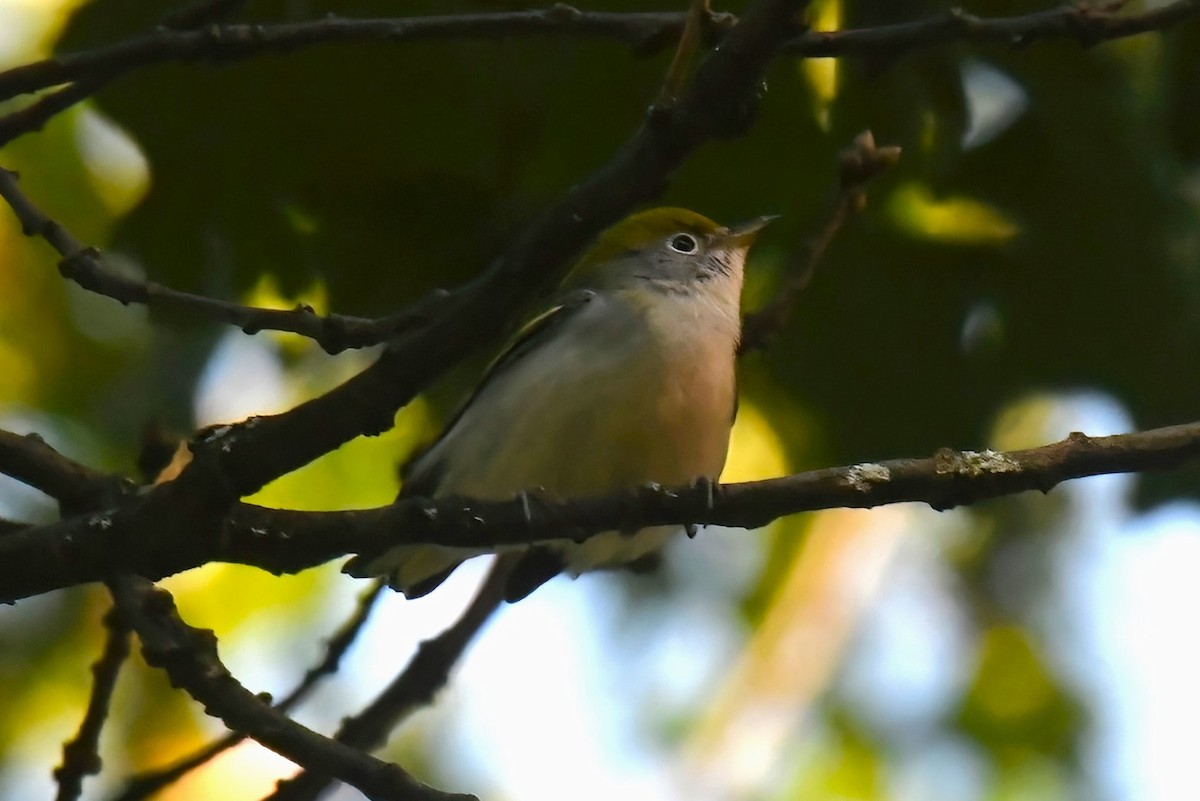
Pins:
x: 146, y: 784
x: 86, y: 267
x: 413, y: 688
x: 189, y: 657
x: 685, y: 52
x: 858, y: 164
x: 34, y: 116
x: 37, y: 114
x: 81, y: 755
x: 1087, y: 24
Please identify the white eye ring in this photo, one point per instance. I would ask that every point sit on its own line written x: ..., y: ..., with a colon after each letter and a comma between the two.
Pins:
x: 683, y: 243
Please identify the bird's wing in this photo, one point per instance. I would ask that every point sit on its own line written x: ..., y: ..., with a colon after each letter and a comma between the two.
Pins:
x: 418, y: 569
x: 422, y: 477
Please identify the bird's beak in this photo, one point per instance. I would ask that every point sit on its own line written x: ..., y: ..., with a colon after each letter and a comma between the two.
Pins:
x: 743, y: 236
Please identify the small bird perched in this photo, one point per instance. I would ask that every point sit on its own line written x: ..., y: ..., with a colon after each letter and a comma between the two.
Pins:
x: 627, y: 379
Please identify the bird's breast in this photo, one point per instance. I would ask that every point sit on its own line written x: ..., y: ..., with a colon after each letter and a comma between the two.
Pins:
x: 622, y: 397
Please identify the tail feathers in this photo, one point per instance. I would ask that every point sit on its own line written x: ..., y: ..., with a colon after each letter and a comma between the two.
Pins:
x: 418, y: 570
x: 531, y: 570
x: 423, y: 587
x: 414, y: 570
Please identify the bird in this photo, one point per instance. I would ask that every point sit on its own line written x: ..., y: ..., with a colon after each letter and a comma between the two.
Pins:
x: 627, y: 378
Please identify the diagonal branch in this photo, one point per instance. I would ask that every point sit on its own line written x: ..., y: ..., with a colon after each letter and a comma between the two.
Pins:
x: 44, y: 558
x: 189, y: 656
x: 235, y: 461
x: 146, y: 784
x: 81, y: 756
x: 719, y: 102
x: 413, y: 688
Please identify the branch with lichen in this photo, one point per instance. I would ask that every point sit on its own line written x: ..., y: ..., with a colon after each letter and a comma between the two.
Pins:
x: 94, y: 546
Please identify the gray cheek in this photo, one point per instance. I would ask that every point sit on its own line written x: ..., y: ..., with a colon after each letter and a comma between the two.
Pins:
x: 672, y: 267
x: 713, y: 265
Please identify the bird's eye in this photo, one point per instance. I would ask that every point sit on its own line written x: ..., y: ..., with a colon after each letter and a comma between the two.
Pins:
x: 683, y: 243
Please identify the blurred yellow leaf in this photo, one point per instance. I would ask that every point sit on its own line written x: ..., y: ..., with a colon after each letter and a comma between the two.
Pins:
x: 1011, y: 682
x: 755, y: 449
x: 955, y: 219
x: 363, y: 472
x: 822, y: 73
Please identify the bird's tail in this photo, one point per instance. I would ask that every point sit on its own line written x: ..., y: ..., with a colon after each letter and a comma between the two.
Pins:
x: 414, y: 570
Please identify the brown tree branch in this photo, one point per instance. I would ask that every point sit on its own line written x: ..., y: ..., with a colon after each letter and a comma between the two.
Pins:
x: 645, y: 31
x: 189, y: 657
x: 81, y: 755
x: 223, y: 43
x: 92, y: 547
x: 947, y: 479
x: 335, y: 332
x: 415, y: 687
x: 146, y: 784
x: 30, y: 460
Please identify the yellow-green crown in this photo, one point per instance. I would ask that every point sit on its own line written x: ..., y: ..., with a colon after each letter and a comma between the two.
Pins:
x: 637, y: 232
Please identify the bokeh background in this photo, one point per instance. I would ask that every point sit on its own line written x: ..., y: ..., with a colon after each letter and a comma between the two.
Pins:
x: 1031, y: 267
